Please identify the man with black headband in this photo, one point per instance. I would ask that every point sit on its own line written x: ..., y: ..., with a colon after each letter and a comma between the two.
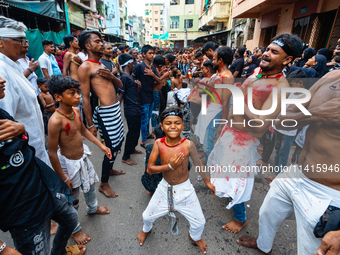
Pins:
x: 237, y: 145
x: 309, y: 191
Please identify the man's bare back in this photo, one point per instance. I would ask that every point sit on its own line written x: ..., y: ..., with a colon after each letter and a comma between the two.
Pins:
x: 321, y: 148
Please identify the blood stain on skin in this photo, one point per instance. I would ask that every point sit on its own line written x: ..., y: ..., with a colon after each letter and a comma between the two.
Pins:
x: 67, y: 128
x: 79, y: 118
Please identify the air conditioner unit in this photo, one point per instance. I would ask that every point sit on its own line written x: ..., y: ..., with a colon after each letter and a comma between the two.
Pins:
x: 219, y: 26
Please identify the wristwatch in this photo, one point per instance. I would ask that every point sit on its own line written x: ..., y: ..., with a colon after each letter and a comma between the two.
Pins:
x: 3, y: 246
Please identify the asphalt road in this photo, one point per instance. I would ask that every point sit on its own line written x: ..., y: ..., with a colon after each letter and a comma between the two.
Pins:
x: 116, y: 233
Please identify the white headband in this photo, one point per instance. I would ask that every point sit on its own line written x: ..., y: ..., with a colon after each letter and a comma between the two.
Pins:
x: 11, y: 32
x: 127, y: 62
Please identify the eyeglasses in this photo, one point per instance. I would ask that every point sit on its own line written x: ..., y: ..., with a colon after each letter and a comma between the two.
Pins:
x: 22, y: 41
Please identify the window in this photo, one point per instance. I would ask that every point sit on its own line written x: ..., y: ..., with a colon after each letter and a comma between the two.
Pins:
x: 156, y: 12
x: 156, y: 28
x: 174, y: 21
x: 161, y: 29
x: 161, y: 12
x: 189, y: 1
x: 188, y: 23
x: 156, y: 20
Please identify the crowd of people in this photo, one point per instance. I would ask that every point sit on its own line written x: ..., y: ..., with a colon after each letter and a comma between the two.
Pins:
x: 86, y: 80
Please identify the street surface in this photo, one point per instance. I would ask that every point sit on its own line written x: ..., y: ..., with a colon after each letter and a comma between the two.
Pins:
x: 116, y: 233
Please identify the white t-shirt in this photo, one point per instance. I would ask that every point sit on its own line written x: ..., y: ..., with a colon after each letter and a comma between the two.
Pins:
x: 44, y: 62
x: 288, y: 132
x: 32, y: 77
x: 83, y: 56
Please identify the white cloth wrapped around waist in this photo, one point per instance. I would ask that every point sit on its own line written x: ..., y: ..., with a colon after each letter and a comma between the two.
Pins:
x: 232, y: 163
x: 204, y: 120
x: 80, y: 171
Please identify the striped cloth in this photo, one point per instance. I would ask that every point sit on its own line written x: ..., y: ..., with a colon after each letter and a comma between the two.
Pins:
x: 108, y: 120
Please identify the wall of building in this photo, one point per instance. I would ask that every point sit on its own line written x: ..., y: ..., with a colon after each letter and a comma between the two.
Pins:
x: 112, y: 17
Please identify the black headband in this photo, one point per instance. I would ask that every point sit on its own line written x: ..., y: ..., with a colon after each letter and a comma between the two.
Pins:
x: 286, y: 48
x: 173, y: 113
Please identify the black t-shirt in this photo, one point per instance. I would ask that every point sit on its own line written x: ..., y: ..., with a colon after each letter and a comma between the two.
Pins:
x: 237, y: 66
x: 131, y: 96
x: 108, y: 63
x: 27, y: 184
x: 146, y: 92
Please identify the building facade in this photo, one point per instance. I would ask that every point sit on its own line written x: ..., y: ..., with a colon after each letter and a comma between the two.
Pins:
x: 183, y: 22
x: 154, y: 20
x: 316, y: 22
x: 111, y: 16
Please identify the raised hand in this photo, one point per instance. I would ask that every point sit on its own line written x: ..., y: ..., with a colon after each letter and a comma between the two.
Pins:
x: 33, y: 65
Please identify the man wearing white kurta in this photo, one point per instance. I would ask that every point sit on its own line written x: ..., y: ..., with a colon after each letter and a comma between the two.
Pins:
x: 21, y: 100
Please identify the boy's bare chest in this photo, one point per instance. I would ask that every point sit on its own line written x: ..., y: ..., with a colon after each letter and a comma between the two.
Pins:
x: 70, y: 128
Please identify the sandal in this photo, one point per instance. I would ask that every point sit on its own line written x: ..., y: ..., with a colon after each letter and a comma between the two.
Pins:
x: 150, y: 136
x: 144, y: 145
x: 74, y: 250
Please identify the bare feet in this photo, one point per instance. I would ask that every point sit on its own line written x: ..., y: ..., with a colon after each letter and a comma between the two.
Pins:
x: 235, y: 226
x: 249, y: 242
x: 116, y: 172
x: 141, y: 237
x: 102, y: 210
x: 54, y: 227
x: 81, y: 238
x: 129, y: 161
x: 106, y: 190
x: 137, y: 152
x: 201, y: 244
x: 148, y: 192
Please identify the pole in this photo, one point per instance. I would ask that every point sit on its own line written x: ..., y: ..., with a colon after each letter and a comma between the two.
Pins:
x: 67, y: 18
x: 185, y: 34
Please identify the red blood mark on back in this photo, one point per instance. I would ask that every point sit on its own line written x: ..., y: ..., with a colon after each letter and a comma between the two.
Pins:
x: 67, y: 128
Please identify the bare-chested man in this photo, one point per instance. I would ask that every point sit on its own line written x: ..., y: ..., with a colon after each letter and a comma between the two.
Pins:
x: 71, y: 60
x: 176, y: 81
x: 218, y: 106
x: 307, y: 190
x: 107, y: 117
x: 236, y: 148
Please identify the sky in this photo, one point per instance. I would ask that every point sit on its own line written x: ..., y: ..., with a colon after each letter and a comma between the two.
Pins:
x: 138, y: 6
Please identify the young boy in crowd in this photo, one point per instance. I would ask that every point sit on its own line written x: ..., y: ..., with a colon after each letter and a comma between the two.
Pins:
x: 175, y: 192
x: 132, y: 108
x: 68, y: 154
x: 46, y: 101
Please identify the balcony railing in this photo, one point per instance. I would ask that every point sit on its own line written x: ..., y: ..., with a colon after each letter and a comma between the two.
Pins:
x: 174, y: 2
x: 174, y: 26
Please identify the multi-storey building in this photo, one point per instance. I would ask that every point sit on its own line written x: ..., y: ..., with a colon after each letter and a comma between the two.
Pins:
x: 183, y: 22
x: 111, y: 15
x: 155, y: 20
x: 316, y: 22
x: 138, y: 29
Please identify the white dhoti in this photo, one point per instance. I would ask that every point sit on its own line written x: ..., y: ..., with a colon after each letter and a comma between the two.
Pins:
x: 232, y: 163
x: 185, y: 201
x: 80, y: 171
x: 293, y: 194
x: 204, y: 120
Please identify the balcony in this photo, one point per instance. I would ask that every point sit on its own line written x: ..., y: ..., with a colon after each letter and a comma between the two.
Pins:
x: 174, y: 26
x: 174, y: 2
x: 218, y: 11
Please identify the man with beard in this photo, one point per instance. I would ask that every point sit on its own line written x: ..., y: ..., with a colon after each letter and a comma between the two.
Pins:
x: 106, y: 59
x: 206, y: 129
x: 236, y: 68
x: 71, y: 60
x: 133, y: 52
x: 309, y: 191
x: 107, y: 117
x: 208, y: 51
x: 237, y: 145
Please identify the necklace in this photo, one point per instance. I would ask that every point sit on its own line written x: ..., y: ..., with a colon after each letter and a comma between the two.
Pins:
x: 171, y: 146
x: 260, y: 75
x: 94, y: 61
x: 74, y: 114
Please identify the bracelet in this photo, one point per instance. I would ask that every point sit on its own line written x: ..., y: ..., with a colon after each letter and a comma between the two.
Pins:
x: 29, y: 70
x: 3, y: 246
x: 90, y: 126
x: 171, y: 167
x: 66, y: 180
